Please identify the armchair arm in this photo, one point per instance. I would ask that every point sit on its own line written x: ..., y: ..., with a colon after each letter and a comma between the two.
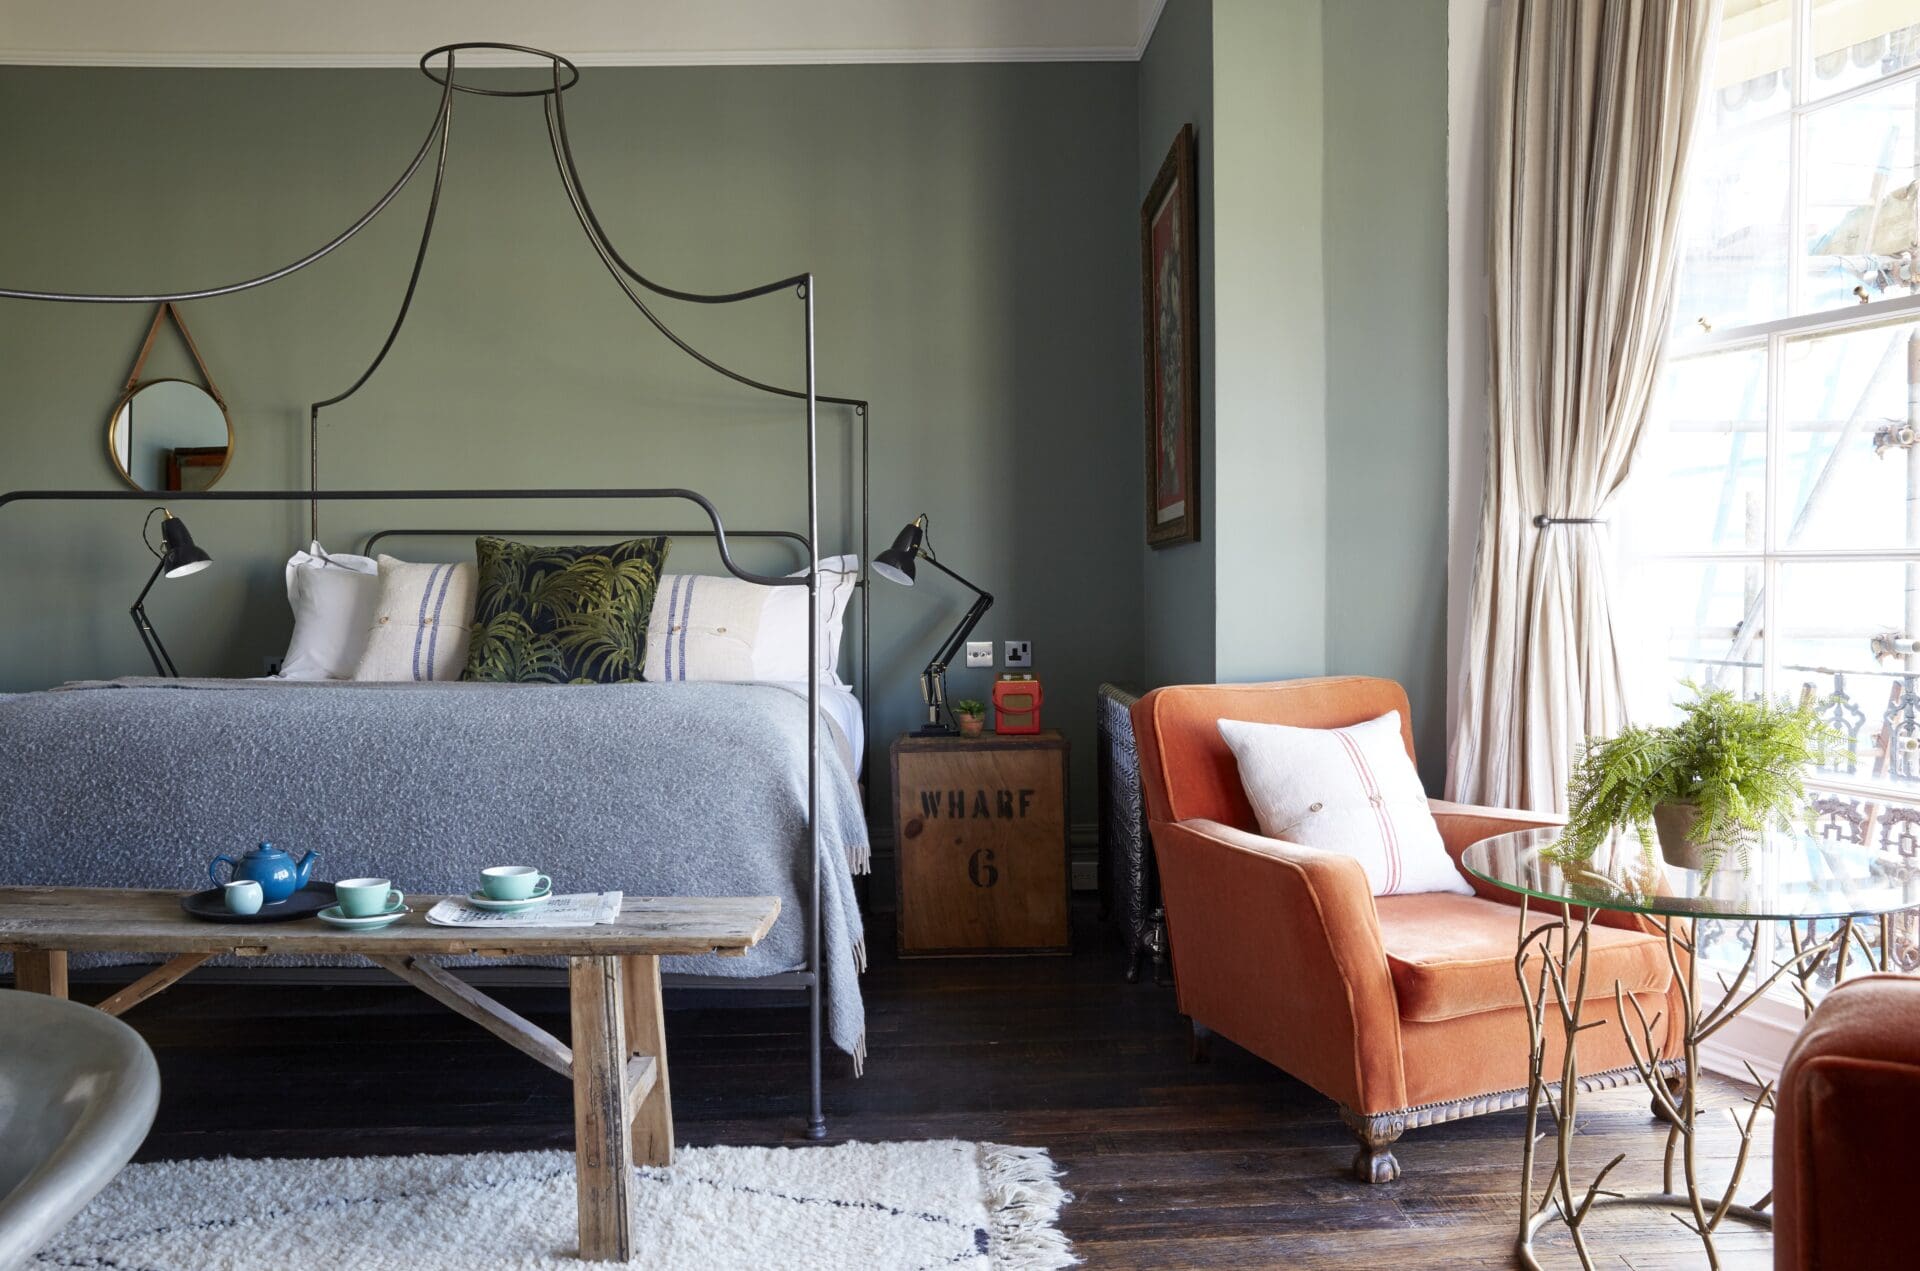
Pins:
x: 1463, y: 824
x: 1277, y: 947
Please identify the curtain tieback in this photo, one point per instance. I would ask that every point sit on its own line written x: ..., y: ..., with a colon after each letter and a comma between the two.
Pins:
x: 1541, y: 521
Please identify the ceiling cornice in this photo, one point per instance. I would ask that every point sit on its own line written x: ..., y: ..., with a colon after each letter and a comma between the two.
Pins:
x: 72, y: 23
x: 1150, y: 11
x: 691, y: 57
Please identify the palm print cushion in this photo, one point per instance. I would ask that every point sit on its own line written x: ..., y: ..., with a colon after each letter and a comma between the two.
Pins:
x: 563, y: 615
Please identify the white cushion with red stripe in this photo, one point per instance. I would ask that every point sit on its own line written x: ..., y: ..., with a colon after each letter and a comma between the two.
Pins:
x: 1350, y: 790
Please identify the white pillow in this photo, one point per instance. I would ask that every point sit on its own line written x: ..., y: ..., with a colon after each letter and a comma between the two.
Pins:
x: 332, y: 599
x: 1349, y: 790
x: 421, y: 624
x: 716, y: 627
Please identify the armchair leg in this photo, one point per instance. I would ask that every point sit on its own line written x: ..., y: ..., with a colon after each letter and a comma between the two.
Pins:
x: 1676, y: 1087
x: 1199, y: 1042
x: 1375, y: 1162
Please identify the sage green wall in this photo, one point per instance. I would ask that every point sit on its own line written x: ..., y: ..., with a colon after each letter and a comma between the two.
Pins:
x: 1386, y: 244
x: 1322, y: 137
x: 1269, y: 339
x: 972, y: 229
x: 1176, y: 88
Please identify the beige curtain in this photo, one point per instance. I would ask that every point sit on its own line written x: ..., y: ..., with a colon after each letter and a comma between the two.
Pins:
x: 1591, y: 127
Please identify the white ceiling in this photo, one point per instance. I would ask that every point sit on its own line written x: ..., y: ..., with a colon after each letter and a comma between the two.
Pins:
x: 591, y: 32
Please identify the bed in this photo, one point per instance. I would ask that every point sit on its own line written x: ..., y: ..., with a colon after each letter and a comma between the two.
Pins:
x: 688, y: 788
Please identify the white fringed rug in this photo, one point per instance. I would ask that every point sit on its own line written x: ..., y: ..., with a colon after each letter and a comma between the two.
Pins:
x: 944, y: 1204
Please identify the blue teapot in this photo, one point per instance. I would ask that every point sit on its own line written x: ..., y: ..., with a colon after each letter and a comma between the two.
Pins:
x: 278, y: 874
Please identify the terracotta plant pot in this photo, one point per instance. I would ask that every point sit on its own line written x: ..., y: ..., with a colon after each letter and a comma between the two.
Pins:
x: 971, y: 725
x: 1673, y: 824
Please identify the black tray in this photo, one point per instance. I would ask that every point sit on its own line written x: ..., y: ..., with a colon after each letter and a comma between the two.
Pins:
x: 305, y: 903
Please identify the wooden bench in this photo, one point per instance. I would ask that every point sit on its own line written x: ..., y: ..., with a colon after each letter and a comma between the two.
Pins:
x: 622, y: 1109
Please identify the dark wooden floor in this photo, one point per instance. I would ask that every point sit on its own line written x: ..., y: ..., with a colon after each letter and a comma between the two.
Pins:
x: 1225, y: 1164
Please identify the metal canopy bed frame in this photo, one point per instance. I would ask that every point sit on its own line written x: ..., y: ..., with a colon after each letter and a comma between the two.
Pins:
x: 439, y: 65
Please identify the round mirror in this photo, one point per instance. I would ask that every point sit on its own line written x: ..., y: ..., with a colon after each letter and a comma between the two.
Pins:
x: 170, y: 435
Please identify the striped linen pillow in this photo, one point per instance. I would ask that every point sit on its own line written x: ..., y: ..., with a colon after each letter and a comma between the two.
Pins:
x: 421, y: 623
x: 1350, y: 790
x: 708, y: 627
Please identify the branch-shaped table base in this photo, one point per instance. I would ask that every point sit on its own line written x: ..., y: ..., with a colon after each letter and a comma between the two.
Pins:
x: 1552, y: 967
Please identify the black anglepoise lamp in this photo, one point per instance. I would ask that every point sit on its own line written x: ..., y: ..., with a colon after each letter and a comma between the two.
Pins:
x: 896, y: 565
x: 181, y: 557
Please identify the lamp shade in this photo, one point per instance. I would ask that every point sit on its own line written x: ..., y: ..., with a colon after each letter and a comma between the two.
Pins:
x: 896, y: 563
x: 183, y: 555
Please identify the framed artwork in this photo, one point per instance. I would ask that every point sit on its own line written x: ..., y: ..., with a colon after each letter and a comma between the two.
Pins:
x: 1170, y: 275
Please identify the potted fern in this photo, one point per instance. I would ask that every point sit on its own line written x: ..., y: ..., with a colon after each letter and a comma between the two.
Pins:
x: 1702, y: 788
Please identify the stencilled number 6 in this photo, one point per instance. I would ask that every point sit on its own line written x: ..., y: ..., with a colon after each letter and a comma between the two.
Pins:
x: 981, y: 869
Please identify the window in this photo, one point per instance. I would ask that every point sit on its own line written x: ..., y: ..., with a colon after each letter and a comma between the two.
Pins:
x: 1771, y: 536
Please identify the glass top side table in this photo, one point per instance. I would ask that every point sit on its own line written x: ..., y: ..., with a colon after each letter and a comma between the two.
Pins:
x: 1820, y: 890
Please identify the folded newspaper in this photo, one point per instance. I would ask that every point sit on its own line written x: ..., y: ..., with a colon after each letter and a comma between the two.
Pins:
x: 584, y: 910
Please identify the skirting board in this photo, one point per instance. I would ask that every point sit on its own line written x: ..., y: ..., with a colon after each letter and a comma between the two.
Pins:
x: 1761, y: 1036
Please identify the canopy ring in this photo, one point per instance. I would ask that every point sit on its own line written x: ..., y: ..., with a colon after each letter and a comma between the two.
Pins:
x: 438, y: 76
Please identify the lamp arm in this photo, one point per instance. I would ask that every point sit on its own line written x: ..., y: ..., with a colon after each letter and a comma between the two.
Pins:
x: 958, y: 637
x: 162, y: 660
x: 984, y: 602
x: 933, y: 680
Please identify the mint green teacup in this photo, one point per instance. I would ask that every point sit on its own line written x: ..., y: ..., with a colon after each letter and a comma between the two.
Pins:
x: 365, y: 897
x: 513, y: 882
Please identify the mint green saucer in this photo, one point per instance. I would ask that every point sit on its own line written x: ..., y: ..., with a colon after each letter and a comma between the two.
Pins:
x: 480, y: 900
x: 332, y: 916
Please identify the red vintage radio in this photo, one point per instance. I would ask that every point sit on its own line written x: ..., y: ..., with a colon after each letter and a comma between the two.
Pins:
x: 1016, y: 704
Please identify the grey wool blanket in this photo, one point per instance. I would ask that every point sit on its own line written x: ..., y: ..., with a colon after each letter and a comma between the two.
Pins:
x: 653, y: 789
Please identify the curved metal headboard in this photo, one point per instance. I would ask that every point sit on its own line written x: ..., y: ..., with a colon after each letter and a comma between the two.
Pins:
x: 718, y: 531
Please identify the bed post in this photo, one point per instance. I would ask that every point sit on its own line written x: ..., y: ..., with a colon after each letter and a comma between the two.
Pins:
x: 816, y: 1117
x: 865, y: 411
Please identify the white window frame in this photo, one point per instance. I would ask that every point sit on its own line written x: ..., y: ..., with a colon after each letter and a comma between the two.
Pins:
x: 1773, y: 336
x: 1762, y: 1037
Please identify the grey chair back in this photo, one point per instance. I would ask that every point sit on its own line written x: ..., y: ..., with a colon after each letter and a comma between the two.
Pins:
x: 78, y: 1091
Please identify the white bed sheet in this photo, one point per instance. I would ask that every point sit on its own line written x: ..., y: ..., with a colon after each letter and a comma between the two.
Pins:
x: 843, y: 708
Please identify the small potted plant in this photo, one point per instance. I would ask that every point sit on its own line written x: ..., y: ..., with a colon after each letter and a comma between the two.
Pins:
x: 1703, y: 787
x: 971, y: 715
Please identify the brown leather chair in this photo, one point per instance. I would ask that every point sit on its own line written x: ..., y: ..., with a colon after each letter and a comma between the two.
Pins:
x: 1846, y: 1121
x: 1403, y: 1009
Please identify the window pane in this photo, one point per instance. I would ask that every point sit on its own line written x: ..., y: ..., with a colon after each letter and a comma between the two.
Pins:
x: 1736, y: 254
x: 1830, y: 616
x: 1736, y: 241
x: 1750, y: 62
x: 1859, y: 206
x: 1699, y: 480
x: 1845, y: 477
x: 1691, y: 620
x: 1858, y: 41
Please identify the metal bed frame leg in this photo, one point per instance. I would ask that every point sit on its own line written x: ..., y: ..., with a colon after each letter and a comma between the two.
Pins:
x: 816, y: 1116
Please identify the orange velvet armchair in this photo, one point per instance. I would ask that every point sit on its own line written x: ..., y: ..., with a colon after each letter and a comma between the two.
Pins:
x: 1847, y: 1118
x: 1403, y: 1009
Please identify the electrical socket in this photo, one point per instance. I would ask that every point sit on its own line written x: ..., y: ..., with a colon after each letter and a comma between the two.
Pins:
x: 1019, y: 653
x: 979, y: 653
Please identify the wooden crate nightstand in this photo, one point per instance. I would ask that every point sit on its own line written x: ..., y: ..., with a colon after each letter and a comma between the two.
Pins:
x: 980, y: 831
